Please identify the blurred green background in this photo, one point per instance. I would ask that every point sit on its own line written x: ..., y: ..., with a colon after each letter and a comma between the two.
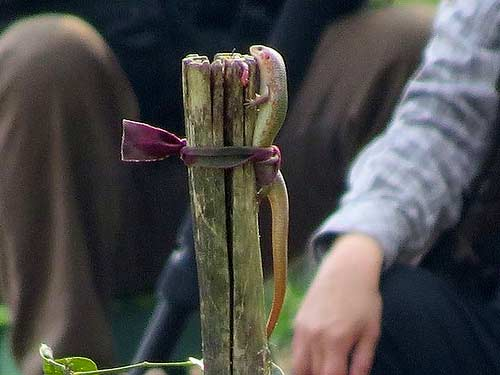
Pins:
x: 300, y: 277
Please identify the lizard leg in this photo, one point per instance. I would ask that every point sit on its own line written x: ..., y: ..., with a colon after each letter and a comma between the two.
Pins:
x: 259, y: 99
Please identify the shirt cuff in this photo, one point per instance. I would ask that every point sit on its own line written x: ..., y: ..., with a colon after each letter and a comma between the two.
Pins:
x: 382, y: 222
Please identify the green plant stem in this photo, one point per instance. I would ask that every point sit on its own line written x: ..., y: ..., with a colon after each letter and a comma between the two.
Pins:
x: 144, y: 364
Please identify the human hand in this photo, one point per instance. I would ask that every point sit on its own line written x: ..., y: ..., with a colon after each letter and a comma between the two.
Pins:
x: 338, y: 325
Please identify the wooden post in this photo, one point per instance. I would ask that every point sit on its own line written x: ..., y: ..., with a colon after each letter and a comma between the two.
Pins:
x: 250, y: 354
x: 208, y: 205
x: 225, y: 218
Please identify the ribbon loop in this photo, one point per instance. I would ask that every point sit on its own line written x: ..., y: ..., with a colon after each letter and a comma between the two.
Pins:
x: 143, y: 142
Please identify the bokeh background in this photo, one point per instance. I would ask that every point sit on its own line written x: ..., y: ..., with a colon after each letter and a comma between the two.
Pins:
x: 132, y: 314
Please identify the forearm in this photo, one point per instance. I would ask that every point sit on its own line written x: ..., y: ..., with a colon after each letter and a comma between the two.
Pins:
x: 350, y: 252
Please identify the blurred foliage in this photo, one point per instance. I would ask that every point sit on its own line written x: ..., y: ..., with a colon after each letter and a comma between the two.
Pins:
x: 434, y: 2
x: 4, y: 315
x: 381, y: 3
x: 300, y: 276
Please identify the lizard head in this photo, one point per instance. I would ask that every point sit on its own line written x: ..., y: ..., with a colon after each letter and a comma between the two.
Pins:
x: 266, y: 57
x: 261, y: 53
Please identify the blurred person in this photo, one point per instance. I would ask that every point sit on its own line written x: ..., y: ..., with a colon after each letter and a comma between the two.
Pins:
x: 425, y: 189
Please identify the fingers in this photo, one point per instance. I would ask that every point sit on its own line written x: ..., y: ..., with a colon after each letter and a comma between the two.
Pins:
x: 334, y: 362
x: 364, y: 352
x: 328, y: 352
x: 337, y: 326
x: 320, y: 352
x: 302, y: 357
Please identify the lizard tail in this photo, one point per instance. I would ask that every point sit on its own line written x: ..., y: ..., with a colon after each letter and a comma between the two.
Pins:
x: 278, y: 199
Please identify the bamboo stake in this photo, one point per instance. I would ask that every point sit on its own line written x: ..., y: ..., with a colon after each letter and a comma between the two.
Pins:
x: 250, y: 353
x: 208, y: 205
x: 225, y: 215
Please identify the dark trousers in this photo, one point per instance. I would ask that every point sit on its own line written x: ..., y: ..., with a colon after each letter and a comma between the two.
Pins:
x: 78, y: 227
x: 431, y: 326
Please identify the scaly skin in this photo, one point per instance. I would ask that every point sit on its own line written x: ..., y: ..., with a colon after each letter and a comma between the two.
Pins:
x: 273, y: 103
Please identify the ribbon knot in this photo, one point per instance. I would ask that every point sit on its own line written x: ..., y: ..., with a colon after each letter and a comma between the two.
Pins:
x: 142, y: 142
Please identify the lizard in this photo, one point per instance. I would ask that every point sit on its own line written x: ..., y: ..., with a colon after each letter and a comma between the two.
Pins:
x: 272, y: 105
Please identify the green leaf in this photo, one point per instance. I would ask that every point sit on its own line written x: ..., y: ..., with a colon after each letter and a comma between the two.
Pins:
x: 78, y: 364
x: 63, y: 366
x: 50, y: 367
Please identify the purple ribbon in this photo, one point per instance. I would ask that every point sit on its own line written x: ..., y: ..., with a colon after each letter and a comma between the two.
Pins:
x: 142, y: 142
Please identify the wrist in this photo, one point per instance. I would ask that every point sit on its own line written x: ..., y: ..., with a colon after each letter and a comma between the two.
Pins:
x: 358, y: 244
x: 354, y: 257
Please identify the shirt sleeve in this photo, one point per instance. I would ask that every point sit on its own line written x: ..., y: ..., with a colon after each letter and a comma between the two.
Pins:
x: 407, y: 185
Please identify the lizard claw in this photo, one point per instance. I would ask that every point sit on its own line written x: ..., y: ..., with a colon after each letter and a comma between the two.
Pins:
x: 259, y: 99
x: 252, y: 103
